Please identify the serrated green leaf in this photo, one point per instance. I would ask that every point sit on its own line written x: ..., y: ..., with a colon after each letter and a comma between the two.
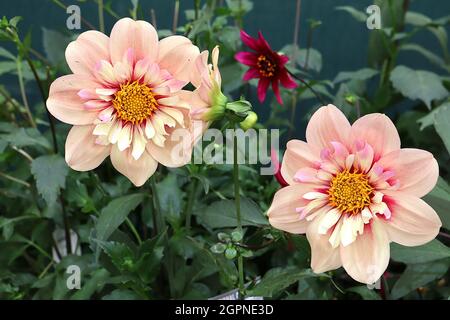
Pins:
x: 50, y: 173
x: 432, y: 251
x: 222, y: 214
x: 418, y: 275
x: 442, y: 124
x: 115, y: 213
x: 418, y: 84
x: 428, y: 120
x: 277, y: 279
x: 121, y: 255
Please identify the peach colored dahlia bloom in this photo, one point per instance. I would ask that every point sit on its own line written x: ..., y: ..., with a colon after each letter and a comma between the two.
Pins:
x: 125, y: 99
x: 207, y: 99
x: 352, y: 190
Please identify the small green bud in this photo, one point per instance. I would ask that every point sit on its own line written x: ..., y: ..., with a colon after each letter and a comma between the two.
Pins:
x: 223, y: 237
x: 350, y: 98
x: 249, y: 121
x: 236, y: 236
x: 218, y: 248
x: 230, y: 253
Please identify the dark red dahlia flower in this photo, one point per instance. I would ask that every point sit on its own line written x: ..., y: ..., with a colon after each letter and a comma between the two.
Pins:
x: 266, y: 65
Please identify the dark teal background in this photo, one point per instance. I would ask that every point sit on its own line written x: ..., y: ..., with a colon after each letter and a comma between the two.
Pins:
x: 341, y: 40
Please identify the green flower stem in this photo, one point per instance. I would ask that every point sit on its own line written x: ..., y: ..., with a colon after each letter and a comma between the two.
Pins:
x: 176, y: 12
x: 101, y: 20
x: 44, y: 100
x: 237, y: 199
x: 23, y: 93
x: 133, y: 230
x: 22, y: 182
x: 190, y: 203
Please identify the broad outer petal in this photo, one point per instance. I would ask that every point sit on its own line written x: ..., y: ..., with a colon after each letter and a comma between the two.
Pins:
x: 413, y: 222
x: 326, y: 125
x: 379, y: 131
x: 298, y: 155
x: 177, y: 150
x: 138, y: 171
x: 82, y: 153
x: 416, y: 169
x: 65, y: 104
x: 282, y: 214
x: 84, y: 53
x: 177, y: 55
x: 140, y: 36
x: 366, y: 258
x: 323, y: 256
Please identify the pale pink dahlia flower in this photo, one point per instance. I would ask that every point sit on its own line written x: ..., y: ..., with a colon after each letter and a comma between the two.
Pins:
x: 208, y: 101
x: 352, y: 190
x: 125, y: 99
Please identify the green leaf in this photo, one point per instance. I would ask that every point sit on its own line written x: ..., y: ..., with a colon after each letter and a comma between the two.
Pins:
x: 432, y: 57
x: 362, y: 74
x: 24, y: 137
x: 93, y: 284
x: 121, y: 294
x: 115, y: 213
x: 170, y: 197
x: 432, y: 251
x: 417, y: 19
x: 356, y: 14
x: 429, y: 119
x: 50, y: 173
x: 121, y: 255
x: 418, y: 84
x: 222, y: 214
x: 442, y: 124
x: 7, y: 66
x: 277, y: 279
x: 439, y: 200
x: 301, y: 55
x: 6, y: 54
x: 418, y: 275
x: 54, y: 44
x: 365, y: 293
x: 149, y: 257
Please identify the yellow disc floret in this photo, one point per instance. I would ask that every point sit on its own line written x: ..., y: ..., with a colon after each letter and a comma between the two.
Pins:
x: 134, y: 102
x: 266, y: 66
x: 350, y: 192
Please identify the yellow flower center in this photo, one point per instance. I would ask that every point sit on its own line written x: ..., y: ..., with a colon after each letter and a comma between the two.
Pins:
x: 266, y: 66
x: 134, y: 102
x: 350, y: 192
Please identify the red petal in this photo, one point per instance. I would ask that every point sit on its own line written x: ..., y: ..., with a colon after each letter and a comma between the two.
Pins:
x: 251, y: 73
x: 250, y: 42
x: 247, y: 58
x: 276, y: 90
x: 263, y: 43
x: 287, y: 81
x: 263, y: 84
